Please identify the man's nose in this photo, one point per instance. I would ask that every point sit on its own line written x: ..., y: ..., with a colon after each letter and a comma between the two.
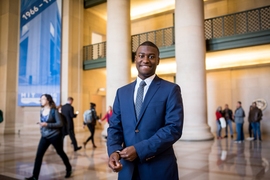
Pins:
x: 146, y: 59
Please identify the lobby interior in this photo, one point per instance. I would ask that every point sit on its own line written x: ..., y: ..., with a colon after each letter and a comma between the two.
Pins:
x: 236, y: 67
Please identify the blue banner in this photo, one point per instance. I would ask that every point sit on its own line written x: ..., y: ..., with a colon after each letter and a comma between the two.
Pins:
x: 40, y: 51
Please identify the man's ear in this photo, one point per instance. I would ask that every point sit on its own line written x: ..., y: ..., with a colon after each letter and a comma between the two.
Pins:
x: 158, y: 61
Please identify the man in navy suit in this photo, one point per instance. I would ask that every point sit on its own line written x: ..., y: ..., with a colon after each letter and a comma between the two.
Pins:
x: 140, y: 146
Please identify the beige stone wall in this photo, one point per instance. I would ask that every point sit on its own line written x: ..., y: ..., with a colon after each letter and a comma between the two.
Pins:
x: 223, y: 7
x: 245, y: 85
x: 93, y: 81
x: 92, y: 24
x: 152, y: 23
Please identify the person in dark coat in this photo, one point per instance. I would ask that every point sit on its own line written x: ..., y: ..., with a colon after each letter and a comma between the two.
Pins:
x: 228, y: 115
x: 68, y: 111
x: 64, y: 120
x: 255, y: 116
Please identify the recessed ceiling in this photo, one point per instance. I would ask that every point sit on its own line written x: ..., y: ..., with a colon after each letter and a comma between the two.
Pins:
x: 139, y: 8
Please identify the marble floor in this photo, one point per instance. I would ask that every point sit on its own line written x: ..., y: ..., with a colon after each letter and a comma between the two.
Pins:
x: 216, y: 160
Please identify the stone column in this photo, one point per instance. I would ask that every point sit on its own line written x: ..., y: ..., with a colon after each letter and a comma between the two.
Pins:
x: 118, y: 58
x: 191, y: 74
x: 9, y: 29
x: 71, y: 65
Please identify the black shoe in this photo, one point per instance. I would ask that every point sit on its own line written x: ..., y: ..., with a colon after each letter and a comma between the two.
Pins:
x: 231, y: 136
x: 78, y: 148
x: 68, y: 174
x: 94, y: 146
x: 225, y: 136
x: 31, y: 178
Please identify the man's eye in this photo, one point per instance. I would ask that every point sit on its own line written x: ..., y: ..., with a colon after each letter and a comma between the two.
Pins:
x: 151, y: 57
x: 141, y: 56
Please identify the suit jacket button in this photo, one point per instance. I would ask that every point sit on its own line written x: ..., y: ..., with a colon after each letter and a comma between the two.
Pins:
x: 137, y: 130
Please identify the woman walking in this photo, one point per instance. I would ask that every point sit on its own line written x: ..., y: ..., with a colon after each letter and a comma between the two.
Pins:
x: 107, y: 116
x: 218, y: 115
x: 91, y: 125
x: 50, y: 127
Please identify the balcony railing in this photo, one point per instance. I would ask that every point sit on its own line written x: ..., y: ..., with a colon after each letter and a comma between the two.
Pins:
x: 162, y: 38
x: 254, y: 20
x: 94, y: 51
x: 238, y: 23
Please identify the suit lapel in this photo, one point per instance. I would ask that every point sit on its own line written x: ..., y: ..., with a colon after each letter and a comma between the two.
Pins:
x: 130, y: 99
x: 154, y: 86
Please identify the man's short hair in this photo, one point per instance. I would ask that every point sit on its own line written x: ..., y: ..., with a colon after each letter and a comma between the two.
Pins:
x: 239, y: 102
x: 92, y: 104
x: 70, y: 99
x: 148, y: 43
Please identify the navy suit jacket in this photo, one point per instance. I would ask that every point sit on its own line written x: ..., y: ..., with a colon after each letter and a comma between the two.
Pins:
x: 158, y: 127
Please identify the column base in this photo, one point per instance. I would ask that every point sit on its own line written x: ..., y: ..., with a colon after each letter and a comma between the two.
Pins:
x: 196, y: 133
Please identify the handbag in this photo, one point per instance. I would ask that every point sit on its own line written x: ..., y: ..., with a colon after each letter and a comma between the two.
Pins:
x: 222, y: 122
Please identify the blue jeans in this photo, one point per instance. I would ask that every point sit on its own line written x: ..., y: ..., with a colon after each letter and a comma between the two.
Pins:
x: 229, y: 123
x: 256, y: 130
x: 239, y: 130
x: 218, y: 129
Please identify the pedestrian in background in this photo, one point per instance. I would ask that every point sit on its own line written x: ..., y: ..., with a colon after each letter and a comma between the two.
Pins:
x: 68, y: 111
x: 91, y: 124
x: 256, y: 117
x: 107, y: 116
x: 218, y: 116
x: 239, y: 116
x: 228, y: 115
x: 50, y: 126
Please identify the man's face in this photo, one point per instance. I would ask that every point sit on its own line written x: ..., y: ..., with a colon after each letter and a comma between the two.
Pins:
x: 253, y: 105
x: 146, y: 61
x: 238, y: 105
x: 70, y: 102
x: 226, y: 106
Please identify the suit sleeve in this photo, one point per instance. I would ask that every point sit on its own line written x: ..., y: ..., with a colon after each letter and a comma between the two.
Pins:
x: 115, y: 131
x: 166, y: 136
x: 72, y: 114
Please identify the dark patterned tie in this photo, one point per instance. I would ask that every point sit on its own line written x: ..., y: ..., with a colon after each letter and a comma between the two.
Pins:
x: 139, y: 98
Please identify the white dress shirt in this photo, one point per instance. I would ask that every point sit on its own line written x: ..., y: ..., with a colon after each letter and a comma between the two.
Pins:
x: 148, y: 81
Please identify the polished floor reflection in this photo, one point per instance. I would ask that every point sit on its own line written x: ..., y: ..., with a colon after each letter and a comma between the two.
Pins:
x: 215, y: 160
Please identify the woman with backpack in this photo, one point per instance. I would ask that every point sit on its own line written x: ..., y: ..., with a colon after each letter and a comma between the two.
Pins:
x: 90, y: 119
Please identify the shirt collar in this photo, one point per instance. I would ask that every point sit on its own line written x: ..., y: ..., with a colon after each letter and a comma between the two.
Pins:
x: 147, y: 80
